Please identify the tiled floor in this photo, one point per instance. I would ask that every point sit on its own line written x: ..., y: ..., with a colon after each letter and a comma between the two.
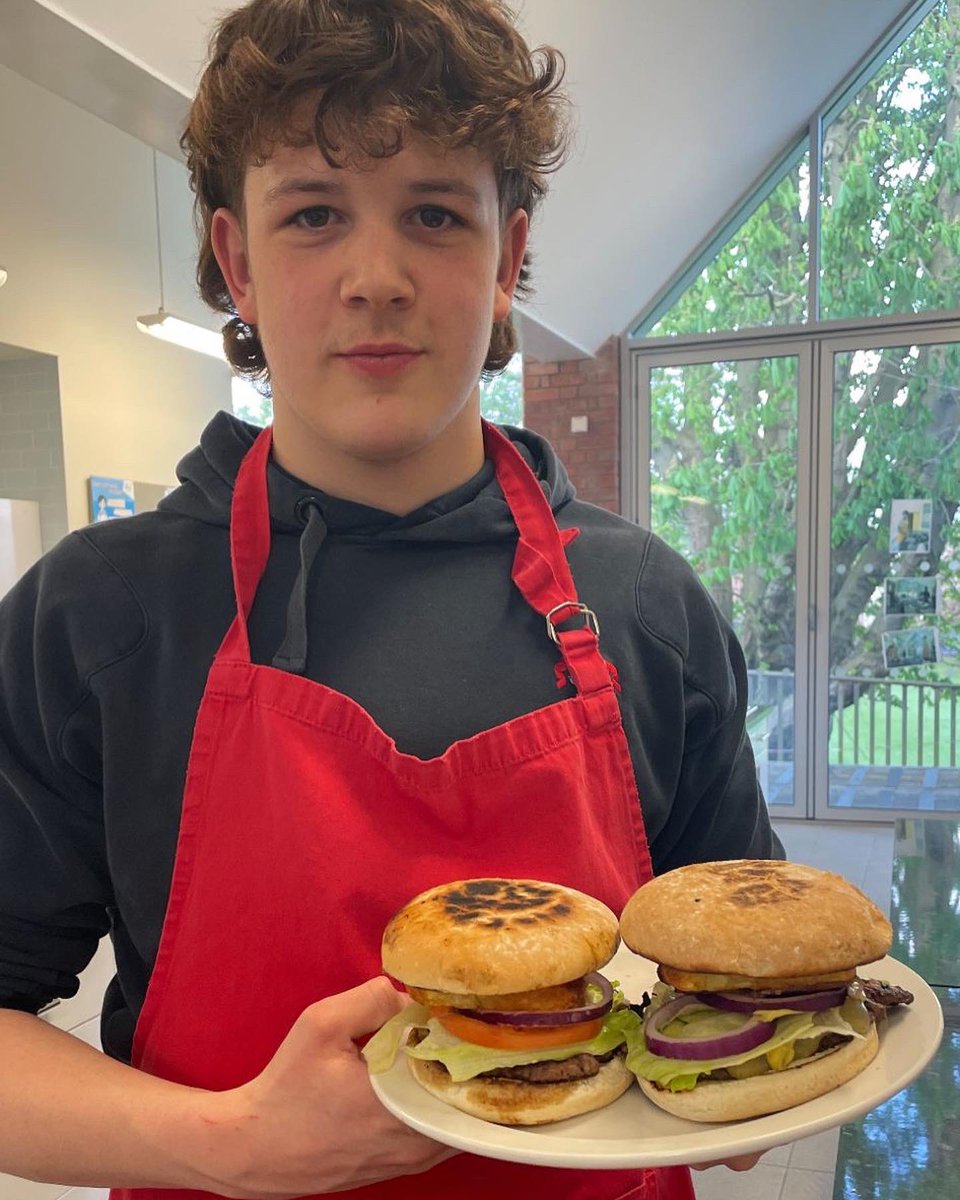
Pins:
x: 805, y: 1170
x: 906, y: 1148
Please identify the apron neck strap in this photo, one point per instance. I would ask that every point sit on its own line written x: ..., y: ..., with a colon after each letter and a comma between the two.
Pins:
x: 249, y: 539
x: 540, y: 567
x: 541, y: 571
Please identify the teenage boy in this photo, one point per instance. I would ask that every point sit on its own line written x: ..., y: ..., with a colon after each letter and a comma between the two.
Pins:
x: 349, y: 658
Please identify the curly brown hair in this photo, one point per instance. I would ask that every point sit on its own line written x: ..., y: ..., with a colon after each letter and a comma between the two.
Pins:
x: 456, y: 71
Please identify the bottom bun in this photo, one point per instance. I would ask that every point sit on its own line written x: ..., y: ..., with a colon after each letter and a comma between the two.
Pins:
x: 514, y: 1102
x: 737, y: 1099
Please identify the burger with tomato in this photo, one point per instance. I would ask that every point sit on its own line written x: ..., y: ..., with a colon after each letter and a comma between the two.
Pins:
x: 758, y: 1007
x: 511, y: 1022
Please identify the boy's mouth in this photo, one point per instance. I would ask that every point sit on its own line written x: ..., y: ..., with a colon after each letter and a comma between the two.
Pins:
x: 386, y: 358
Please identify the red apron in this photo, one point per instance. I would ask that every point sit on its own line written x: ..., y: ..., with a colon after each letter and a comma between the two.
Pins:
x: 304, y: 829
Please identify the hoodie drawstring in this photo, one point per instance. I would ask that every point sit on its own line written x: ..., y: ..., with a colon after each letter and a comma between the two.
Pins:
x: 292, y: 655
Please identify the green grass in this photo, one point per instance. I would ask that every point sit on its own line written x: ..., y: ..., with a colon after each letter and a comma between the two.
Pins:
x: 906, y: 748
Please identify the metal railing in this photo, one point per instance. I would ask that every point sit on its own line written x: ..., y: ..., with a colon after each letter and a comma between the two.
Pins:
x: 875, y: 721
x: 894, y: 722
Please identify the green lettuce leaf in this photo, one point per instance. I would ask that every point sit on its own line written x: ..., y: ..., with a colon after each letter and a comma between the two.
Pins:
x: 382, y: 1049
x: 679, y: 1074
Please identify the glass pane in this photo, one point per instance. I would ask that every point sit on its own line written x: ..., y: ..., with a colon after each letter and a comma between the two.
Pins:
x: 501, y: 397
x: 760, y: 275
x: 724, y: 493
x: 891, y: 183
x: 249, y: 403
x: 895, y: 579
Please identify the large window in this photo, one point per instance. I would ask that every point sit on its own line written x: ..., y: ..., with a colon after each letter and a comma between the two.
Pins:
x: 794, y: 429
x: 761, y: 275
x: 724, y: 492
x: 883, y: 237
x: 890, y: 182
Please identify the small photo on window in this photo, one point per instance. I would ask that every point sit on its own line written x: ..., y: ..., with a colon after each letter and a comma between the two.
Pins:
x: 910, y: 525
x: 911, y: 647
x: 911, y: 596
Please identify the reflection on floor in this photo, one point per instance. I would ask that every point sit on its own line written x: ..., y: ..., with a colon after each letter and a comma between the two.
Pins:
x: 924, y: 789
x: 904, y: 1148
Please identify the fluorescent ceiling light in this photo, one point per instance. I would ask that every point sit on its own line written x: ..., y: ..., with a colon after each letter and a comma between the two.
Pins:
x: 166, y: 326
x: 182, y: 333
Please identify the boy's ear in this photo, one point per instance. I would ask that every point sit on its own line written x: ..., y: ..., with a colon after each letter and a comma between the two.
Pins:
x: 230, y: 250
x: 513, y: 246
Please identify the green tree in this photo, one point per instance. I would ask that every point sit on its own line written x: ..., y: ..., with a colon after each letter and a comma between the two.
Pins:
x: 724, y: 434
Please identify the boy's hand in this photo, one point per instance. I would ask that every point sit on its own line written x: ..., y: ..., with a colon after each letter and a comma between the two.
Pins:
x: 309, y: 1122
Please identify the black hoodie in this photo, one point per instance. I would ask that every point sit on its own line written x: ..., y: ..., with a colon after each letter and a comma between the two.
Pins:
x: 106, y: 643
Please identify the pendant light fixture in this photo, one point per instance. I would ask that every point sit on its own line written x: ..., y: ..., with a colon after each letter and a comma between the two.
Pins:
x: 166, y: 326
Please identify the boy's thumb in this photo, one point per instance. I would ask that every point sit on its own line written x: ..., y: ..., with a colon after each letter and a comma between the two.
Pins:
x: 362, y: 1010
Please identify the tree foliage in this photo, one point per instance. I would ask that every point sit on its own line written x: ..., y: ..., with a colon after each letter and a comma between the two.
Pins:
x: 725, y: 433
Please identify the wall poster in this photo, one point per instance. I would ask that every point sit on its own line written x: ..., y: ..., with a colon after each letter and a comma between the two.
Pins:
x: 111, y: 498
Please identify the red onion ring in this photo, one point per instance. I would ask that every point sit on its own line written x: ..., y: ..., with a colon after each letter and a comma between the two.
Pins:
x: 746, y: 1002
x: 754, y: 1033
x: 563, y: 1016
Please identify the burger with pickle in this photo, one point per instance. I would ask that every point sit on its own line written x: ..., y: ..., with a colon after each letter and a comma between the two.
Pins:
x: 758, y: 1007
x: 512, y: 1022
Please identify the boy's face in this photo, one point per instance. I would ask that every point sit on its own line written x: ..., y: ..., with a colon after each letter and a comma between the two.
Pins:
x: 374, y: 290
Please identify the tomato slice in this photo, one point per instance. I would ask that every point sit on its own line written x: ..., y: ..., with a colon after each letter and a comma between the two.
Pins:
x: 512, y: 1037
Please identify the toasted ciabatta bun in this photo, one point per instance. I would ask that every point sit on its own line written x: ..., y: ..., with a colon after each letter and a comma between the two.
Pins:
x: 738, y: 1099
x: 756, y: 918
x: 483, y: 937
x: 512, y: 1102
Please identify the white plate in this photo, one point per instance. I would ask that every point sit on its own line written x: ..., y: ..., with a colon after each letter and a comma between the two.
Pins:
x: 634, y: 1132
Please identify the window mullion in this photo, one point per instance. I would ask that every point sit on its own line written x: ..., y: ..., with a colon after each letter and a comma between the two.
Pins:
x: 813, y: 219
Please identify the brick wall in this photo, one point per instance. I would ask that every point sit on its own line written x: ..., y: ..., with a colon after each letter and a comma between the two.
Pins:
x: 31, y: 440
x: 555, y: 393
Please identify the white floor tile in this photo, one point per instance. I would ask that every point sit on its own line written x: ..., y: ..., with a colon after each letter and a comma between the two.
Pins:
x: 779, y: 1156
x: 807, y: 1185
x: 13, y: 1188
x: 817, y: 1153
x: 86, y: 1194
x: 762, y: 1183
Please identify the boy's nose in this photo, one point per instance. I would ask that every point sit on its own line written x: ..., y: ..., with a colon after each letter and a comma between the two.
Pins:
x: 376, y: 274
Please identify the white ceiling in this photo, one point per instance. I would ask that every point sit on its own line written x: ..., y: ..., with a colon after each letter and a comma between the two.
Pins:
x: 681, y: 105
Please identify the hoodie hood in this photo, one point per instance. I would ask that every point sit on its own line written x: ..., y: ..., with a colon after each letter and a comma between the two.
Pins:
x: 474, y: 512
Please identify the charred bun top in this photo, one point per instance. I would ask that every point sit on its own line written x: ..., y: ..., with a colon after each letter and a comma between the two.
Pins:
x: 754, y: 917
x: 497, y: 936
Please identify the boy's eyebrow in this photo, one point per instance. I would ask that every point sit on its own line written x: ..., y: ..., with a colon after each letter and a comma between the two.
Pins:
x: 331, y: 187
x: 447, y: 187
x: 313, y: 187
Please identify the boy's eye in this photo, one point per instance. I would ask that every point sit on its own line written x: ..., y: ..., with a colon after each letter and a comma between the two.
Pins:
x: 316, y: 217
x: 435, y: 218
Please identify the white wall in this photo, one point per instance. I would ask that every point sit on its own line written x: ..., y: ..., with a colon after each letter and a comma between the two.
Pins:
x: 78, y: 237
x: 20, y: 542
